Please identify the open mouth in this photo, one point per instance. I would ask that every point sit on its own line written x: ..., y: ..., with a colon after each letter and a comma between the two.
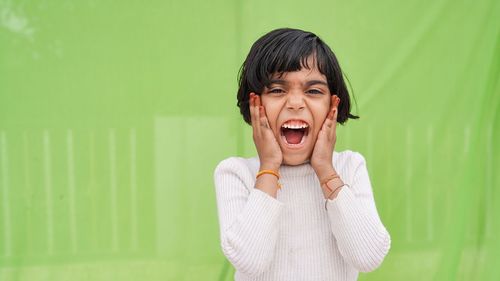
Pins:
x: 294, y: 132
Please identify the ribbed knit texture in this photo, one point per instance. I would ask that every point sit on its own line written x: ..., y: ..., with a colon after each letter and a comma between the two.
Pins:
x: 293, y: 237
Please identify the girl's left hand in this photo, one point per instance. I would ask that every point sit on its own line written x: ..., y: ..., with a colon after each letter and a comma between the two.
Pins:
x: 321, y: 158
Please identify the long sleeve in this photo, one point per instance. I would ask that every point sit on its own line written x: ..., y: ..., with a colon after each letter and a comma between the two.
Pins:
x: 362, y: 239
x: 248, y: 218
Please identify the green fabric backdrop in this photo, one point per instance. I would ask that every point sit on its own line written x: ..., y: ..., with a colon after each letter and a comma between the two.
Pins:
x: 113, y: 116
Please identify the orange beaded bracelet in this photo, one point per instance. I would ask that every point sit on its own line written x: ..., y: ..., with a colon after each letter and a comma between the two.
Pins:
x: 269, y: 172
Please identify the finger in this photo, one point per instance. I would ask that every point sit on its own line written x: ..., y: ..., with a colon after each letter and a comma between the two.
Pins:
x: 262, y: 113
x: 251, y: 107
x: 331, y: 114
x: 263, y: 118
x: 337, y: 102
x: 328, y: 126
x: 257, y: 113
x: 259, y: 107
x: 332, y: 105
x: 329, y: 121
x: 255, y: 122
x: 334, y: 120
x: 334, y: 108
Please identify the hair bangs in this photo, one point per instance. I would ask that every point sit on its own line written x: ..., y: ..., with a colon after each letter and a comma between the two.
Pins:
x: 291, y: 55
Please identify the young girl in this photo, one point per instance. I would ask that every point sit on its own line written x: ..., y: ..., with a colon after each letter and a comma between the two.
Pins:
x: 300, y: 210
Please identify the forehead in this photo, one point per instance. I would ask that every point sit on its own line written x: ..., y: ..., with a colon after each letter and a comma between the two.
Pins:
x: 302, y: 74
x: 308, y: 69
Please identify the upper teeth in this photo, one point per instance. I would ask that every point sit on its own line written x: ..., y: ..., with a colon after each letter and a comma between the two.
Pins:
x: 295, y: 125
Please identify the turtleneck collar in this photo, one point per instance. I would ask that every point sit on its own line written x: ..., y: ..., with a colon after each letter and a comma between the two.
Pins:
x: 296, y: 170
x: 303, y: 169
x: 292, y: 171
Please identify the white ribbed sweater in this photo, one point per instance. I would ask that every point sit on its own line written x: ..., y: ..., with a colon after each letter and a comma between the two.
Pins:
x: 293, y: 237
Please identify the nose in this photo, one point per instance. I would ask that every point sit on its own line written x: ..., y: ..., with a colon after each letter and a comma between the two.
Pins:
x: 295, y: 101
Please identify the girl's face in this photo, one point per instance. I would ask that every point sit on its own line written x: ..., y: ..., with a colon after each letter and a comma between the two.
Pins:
x: 296, y: 100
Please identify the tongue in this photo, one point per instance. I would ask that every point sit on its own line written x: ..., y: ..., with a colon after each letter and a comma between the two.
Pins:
x: 293, y: 136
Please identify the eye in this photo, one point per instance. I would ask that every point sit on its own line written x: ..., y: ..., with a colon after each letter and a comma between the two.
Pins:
x: 276, y: 90
x: 314, y: 91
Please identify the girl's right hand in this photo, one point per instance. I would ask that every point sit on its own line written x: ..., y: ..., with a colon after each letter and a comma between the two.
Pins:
x: 269, y: 150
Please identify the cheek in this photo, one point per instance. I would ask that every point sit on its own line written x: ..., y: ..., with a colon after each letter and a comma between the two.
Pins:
x: 272, y: 112
x: 320, y: 111
x: 272, y: 119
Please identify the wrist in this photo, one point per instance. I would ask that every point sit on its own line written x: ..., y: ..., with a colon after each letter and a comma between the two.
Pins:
x: 269, y: 166
x: 267, y: 181
x: 333, y: 188
x: 324, y: 171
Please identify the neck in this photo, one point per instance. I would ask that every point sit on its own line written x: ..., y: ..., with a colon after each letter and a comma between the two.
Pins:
x: 296, y: 170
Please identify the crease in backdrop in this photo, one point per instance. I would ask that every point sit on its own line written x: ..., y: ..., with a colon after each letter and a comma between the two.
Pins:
x: 113, y: 117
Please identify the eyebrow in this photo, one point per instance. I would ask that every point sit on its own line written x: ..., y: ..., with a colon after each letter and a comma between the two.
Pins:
x: 308, y: 83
